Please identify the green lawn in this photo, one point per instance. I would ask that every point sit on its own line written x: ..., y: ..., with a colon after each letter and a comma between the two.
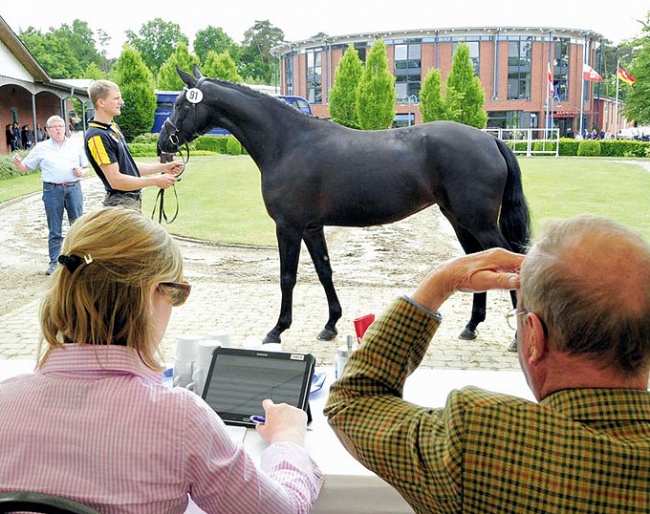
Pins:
x: 563, y: 187
x: 220, y: 198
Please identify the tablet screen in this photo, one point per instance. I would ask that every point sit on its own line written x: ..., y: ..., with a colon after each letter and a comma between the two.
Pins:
x: 239, y: 380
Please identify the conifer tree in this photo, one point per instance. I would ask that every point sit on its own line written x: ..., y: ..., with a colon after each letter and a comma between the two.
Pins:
x: 376, y: 94
x: 343, y: 96
x: 465, y: 96
x: 220, y: 66
x: 432, y: 103
x: 168, y: 79
x: 137, y: 88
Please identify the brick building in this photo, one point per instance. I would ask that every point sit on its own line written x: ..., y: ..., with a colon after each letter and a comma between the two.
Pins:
x: 28, y: 96
x: 512, y: 63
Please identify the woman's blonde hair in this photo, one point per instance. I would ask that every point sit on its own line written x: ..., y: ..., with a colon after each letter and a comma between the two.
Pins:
x: 106, y: 300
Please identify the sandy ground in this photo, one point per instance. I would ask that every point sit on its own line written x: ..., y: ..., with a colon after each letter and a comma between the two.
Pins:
x: 237, y: 289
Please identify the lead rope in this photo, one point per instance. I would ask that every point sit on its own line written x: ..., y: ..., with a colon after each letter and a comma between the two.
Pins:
x: 159, y: 204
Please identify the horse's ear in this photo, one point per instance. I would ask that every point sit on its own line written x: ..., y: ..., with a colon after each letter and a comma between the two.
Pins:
x: 197, y: 72
x: 187, y: 79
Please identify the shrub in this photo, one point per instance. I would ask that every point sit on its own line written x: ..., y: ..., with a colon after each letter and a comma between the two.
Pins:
x: 143, y: 149
x: 147, y: 137
x: 589, y: 148
x: 8, y: 170
x: 568, y: 147
x: 233, y: 147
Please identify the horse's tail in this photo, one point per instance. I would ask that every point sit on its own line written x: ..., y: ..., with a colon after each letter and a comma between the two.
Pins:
x: 514, y: 219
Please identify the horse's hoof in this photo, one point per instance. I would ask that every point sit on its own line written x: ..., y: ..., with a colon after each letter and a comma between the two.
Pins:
x: 270, y: 339
x: 327, y: 335
x: 468, y: 335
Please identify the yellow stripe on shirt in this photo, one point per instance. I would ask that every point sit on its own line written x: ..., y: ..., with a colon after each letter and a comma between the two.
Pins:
x: 98, y: 151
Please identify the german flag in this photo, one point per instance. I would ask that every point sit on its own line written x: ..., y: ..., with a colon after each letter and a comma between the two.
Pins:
x: 625, y: 76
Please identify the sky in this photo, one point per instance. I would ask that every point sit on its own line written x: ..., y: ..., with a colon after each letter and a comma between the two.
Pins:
x: 616, y: 21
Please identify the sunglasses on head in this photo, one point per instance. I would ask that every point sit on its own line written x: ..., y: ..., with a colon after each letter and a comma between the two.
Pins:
x: 177, y: 291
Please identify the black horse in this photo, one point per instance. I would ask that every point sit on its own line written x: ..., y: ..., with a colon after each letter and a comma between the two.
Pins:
x: 317, y: 173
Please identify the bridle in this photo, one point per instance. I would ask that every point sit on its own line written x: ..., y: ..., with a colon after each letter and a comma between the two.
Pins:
x: 175, y: 143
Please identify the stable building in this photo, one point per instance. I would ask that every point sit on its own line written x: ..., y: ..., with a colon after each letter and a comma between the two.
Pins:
x: 28, y: 95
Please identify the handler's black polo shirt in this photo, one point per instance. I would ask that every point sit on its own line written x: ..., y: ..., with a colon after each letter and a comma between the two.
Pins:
x: 105, y: 144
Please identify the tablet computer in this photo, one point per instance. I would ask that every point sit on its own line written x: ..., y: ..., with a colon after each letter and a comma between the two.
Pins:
x: 240, y: 379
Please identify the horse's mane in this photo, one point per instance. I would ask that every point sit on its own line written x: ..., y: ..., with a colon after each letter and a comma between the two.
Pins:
x: 254, y: 93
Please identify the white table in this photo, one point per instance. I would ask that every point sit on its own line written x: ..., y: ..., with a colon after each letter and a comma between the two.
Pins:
x: 349, y: 487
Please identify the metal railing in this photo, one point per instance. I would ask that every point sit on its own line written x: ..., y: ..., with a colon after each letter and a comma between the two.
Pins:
x: 529, y: 142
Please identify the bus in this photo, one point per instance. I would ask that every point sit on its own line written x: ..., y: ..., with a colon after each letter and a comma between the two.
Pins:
x: 166, y: 101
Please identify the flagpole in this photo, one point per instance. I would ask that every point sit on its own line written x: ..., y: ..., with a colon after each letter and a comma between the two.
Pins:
x: 582, y: 94
x: 616, y: 103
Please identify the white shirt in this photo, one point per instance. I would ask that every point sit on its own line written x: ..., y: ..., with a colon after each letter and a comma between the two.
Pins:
x: 57, y: 162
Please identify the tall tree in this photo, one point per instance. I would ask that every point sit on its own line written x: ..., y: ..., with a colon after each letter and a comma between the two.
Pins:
x: 80, y: 38
x: 137, y: 88
x: 432, y: 103
x: 52, y: 52
x: 637, y: 95
x: 256, y: 62
x: 214, y: 39
x: 464, y: 95
x: 343, y: 96
x: 221, y: 66
x: 168, y: 78
x: 376, y: 94
x: 156, y: 41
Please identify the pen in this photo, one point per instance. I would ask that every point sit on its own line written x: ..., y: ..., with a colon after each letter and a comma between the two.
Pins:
x: 258, y: 419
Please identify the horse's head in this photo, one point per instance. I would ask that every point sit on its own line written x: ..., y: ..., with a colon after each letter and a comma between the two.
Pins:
x: 190, y: 117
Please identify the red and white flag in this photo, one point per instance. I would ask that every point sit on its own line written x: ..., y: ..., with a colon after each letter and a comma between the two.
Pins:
x: 588, y: 73
x: 550, y: 80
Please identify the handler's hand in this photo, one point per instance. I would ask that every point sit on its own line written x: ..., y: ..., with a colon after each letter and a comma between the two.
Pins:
x: 284, y: 423
x: 474, y: 273
x: 172, y: 167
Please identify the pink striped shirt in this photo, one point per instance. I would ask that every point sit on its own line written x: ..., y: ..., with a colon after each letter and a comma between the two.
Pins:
x: 96, y: 426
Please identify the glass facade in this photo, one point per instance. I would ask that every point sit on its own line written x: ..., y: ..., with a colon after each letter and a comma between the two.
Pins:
x: 408, y: 69
x: 315, y: 76
x: 561, y: 69
x: 519, y: 69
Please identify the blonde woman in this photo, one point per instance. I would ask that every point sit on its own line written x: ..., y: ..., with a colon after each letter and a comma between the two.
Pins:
x: 96, y: 424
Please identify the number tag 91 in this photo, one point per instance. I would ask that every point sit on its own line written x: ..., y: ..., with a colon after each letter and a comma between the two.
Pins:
x: 194, y: 95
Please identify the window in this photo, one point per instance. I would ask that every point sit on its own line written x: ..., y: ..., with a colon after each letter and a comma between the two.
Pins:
x: 408, y: 69
x: 519, y: 64
x: 561, y: 69
x: 314, y: 76
x: 288, y: 74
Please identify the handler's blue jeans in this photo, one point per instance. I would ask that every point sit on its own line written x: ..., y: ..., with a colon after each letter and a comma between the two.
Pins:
x: 58, y: 198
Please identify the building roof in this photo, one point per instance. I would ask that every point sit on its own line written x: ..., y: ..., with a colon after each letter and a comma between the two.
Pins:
x: 24, y: 57
x: 289, y: 46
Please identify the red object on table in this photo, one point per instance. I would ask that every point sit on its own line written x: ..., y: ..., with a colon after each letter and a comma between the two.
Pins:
x: 361, y: 325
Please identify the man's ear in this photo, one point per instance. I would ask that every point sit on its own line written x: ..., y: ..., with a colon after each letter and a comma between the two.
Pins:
x: 538, y: 340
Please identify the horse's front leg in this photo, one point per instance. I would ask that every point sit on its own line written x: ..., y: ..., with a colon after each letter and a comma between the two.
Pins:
x: 289, y: 248
x: 314, y: 238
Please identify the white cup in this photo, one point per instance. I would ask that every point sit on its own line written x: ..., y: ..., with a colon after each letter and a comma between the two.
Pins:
x: 204, y: 352
x: 222, y: 337
x: 182, y: 372
x: 186, y: 347
x: 252, y: 343
x: 198, y: 380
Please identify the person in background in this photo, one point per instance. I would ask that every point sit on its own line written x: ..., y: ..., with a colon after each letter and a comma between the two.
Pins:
x: 96, y: 424
x: 583, y: 334
x: 27, y: 137
x: 15, y: 130
x: 62, y: 164
x: 109, y: 155
x: 9, y: 136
